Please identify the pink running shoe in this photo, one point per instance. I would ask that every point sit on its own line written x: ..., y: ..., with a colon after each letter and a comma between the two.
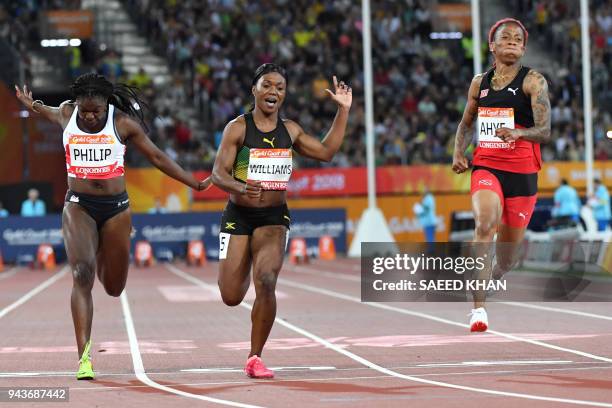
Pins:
x: 255, y: 368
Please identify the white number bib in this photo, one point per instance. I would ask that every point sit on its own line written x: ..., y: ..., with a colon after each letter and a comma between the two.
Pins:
x: 490, y: 119
x: 272, y: 167
x: 93, y: 150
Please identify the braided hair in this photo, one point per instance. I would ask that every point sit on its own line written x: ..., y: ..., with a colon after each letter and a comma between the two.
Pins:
x: 124, y: 97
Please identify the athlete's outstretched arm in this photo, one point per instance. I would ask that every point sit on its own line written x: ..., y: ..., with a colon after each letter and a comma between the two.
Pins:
x: 325, y: 149
x: 233, y: 136
x: 59, y: 115
x: 130, y: 131
x: 463, y: 137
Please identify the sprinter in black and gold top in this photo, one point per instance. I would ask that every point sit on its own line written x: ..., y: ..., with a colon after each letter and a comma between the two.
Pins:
x: 254, y: 164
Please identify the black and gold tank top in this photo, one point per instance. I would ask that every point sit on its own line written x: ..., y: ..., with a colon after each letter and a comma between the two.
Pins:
x: 267, y: 153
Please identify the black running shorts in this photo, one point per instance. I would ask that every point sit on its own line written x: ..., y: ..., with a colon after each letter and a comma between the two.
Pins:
x: 100, y: 208
x: 239, y: 220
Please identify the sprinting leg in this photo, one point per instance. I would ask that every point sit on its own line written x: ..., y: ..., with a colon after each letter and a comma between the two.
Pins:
x: 113, y: 257
x: 234, y: 268
x: 268, y: 249
x: 487, y: 214
x: 509, y: 241
x: 81, y: 240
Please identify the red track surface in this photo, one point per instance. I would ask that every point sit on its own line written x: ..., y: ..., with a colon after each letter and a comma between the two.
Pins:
x: 389, y: 352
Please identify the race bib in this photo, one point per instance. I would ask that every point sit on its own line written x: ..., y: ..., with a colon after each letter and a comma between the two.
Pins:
x: 491, y: 119
x: 272, y: 167
x: 224, y: 239
x: 92, y: 150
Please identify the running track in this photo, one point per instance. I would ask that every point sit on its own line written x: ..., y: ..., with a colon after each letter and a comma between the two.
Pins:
x: 168, y: 341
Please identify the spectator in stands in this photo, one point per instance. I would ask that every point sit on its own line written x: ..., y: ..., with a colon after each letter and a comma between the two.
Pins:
x: 600, y: 203
x: 74, y: 61
x: 163, y: 123
x: 141, y: 79
x: 3, y: 212
x: 33, y: 206
x: 566, y: 203
x: 111, y: 66
x: 182, y: 134
x: 158, y: 207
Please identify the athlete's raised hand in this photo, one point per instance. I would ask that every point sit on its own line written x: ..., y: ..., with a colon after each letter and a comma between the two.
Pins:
x: 25, y: 96
x: 343, y: 95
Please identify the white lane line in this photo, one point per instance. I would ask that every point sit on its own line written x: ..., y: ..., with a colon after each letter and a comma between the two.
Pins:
x: 341, y: 276
x: 558, y: 310
x: 33, y: 292
x: 384, y: 370
x: 289, y: 380
x: 139, y: 367
x: 383, y: 306
x: 240, y: 370
x: 8, y: 273
x: 57, y: 374
x: 496, y: 363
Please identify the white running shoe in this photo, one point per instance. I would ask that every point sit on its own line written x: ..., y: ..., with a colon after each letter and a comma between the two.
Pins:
x: 479, y: 322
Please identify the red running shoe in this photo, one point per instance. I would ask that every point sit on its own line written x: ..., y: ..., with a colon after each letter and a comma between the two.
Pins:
x: 255, y: 368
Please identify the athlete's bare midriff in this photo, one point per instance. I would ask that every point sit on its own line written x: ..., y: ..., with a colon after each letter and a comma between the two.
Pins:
x: 268, y: 199
x: 100, y: 187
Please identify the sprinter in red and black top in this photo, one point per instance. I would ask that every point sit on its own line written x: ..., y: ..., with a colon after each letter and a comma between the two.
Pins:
x: 511, y: 108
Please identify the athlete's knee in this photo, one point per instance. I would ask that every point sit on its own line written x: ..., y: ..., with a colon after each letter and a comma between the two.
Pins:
x: 114, y: 290
x: 232, y: 295
x: 113, y: 284
x: 265, y: 282
x: 486, y: 226
x: 83, y: 274
x: 231, y: 299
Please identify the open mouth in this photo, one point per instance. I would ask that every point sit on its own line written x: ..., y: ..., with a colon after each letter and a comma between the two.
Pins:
x: 271, y: 102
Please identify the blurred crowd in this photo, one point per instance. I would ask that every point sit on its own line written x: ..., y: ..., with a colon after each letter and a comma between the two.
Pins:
x: 213, y: 48
x: 420, y: 84
x: 556, y: 23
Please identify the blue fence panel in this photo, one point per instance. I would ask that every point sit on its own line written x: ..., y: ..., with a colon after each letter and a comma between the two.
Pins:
x: 167, y: 233
x: 21, y: 236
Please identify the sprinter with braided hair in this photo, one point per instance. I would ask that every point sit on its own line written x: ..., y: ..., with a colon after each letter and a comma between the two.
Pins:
x: 98, y: 123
